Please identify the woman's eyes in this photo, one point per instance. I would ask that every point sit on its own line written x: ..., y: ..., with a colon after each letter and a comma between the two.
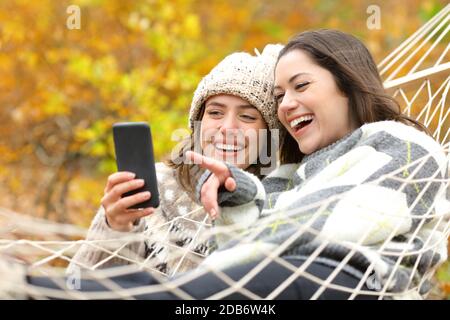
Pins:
x: 248, y: 117
x: 278, y: 97
x: 298, y: 87
x: 215, y: 114
x: 301, y: 85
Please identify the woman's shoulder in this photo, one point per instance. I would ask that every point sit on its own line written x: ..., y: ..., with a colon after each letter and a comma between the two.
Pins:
x: 400, y: 131
x: 165, y: 174
x: 394, y: 133
x: 387, y: 125
x: 284, y: 171
x: 163, y: 168
x: 175, y: 201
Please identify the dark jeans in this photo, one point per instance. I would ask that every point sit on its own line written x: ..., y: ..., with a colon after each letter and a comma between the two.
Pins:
x: 208, y: 284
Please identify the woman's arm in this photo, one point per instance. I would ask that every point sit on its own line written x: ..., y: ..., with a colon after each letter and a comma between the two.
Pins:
x: 234, y: 197
x: 102, y: 243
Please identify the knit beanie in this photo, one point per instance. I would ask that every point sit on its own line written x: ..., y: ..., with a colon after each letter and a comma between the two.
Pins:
x: 248, y: 77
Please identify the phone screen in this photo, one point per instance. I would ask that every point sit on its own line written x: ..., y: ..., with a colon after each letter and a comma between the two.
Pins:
x: 134, y: 153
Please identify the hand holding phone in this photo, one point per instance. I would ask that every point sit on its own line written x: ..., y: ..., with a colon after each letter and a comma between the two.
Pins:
x: 117, y: 214
x: 131, y: 193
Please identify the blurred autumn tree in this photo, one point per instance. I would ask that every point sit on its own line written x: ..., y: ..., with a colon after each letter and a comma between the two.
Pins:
x: 136, y: 60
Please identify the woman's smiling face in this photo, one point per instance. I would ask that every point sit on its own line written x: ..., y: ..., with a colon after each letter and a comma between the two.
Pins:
x: 310, y: 105
x: 230, y: 130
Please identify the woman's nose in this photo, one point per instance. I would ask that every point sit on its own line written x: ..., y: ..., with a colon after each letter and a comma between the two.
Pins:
x: 229, y: 123
x: 287, y: 104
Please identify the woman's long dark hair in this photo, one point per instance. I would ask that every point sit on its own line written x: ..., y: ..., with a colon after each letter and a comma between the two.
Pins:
x: 356, y: 76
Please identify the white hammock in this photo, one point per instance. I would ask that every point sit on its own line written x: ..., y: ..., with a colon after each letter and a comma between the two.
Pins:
x: 417, y: 74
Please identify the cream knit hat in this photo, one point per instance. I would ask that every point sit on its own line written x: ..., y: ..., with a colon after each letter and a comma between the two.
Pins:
x: 243, y: 75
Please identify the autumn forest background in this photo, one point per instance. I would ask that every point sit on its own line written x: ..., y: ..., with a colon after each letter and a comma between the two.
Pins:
x: 136, y: 60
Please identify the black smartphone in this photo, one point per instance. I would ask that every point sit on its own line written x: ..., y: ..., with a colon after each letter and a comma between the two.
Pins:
x: 134, y: 152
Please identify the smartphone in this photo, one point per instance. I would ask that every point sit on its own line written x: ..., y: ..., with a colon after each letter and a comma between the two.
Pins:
x: 134, y: 153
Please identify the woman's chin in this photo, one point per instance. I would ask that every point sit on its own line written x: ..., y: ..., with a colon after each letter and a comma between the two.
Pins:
x: 306, y: 148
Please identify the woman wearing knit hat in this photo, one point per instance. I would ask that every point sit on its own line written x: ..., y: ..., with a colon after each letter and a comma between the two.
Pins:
x: 231, y: 102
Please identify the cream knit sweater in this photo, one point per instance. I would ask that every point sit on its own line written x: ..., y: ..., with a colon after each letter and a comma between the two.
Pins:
x: 169, y: 240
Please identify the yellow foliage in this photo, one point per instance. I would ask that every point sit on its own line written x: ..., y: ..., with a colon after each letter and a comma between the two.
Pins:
x: 140, y: 60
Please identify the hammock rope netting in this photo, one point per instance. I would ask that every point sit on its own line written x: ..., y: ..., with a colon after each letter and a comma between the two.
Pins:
x: 417, y: 74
